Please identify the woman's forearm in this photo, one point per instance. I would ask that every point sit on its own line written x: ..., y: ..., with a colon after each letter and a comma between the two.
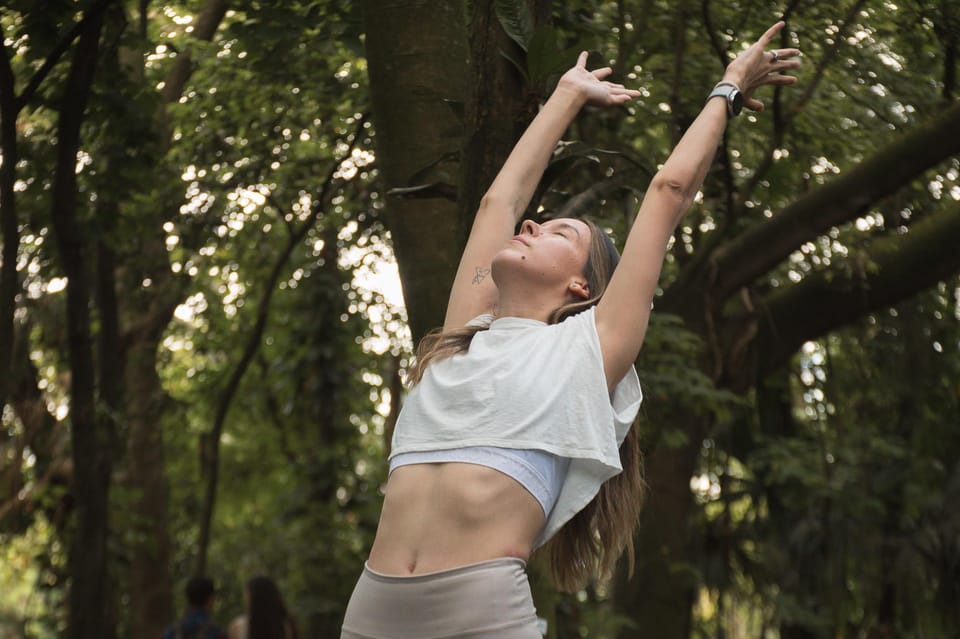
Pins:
x: 687, y: 166
x: 518, y: 178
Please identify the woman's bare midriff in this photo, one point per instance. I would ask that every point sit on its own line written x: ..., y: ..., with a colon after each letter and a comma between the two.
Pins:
x: 441, y: 516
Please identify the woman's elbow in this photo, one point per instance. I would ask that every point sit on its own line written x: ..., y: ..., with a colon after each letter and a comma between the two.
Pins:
x: 673, y: 187
x: 493, y: 201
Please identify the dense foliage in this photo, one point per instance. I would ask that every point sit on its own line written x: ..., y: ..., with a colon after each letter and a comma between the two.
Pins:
x: 199, y: 363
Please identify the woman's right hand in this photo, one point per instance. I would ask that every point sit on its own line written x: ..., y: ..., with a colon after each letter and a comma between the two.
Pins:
x: 590, y: 85
x: 755, y: 67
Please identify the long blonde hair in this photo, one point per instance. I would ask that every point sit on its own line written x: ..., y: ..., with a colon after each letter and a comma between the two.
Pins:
x: 589, y: 545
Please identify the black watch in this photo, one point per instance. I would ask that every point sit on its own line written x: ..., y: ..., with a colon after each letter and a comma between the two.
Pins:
x: 732, y: 93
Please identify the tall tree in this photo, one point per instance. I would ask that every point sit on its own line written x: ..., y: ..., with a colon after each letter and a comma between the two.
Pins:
x: 90, y: 436
x: 148, y: 313
x: 417, y: 56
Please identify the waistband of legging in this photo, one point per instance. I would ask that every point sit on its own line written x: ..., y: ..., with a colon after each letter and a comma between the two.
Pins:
x: 467, y: 569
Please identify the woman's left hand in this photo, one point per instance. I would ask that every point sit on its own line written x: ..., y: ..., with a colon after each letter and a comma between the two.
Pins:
x: 756, y: 67
x: 592, y: 87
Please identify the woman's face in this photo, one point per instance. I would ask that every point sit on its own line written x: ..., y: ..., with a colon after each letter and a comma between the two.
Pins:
x: 553, y: 253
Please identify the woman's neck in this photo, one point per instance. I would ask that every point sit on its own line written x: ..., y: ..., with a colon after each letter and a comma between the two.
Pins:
x: 528, y: 307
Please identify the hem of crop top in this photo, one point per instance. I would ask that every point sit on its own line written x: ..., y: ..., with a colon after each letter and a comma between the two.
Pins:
x: 518, y: 464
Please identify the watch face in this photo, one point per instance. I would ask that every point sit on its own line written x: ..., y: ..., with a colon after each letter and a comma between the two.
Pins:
x: 736, y: 102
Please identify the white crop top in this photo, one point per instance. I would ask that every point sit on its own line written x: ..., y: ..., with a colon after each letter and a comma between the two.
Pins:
x: 538, y: 471
x: 524, y: 384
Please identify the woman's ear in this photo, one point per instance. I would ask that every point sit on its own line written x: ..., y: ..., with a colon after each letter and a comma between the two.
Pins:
x: 579, y: 289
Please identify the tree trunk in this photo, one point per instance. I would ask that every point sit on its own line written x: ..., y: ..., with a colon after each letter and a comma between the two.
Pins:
x: 11, y: 477
x: 9, y: 226
x: 417, y: 58
x: 497, y: 109
x: 151, y: 590
x: 147, y: 314
x: 91, y: 454
x: 659, y: 597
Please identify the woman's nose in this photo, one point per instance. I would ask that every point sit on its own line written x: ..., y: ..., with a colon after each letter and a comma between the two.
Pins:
x: 530, y: 227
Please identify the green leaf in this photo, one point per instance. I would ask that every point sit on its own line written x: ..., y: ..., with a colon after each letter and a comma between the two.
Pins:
x: 515, y: 18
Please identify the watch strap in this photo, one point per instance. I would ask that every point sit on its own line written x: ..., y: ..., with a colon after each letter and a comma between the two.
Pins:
x: 726, y: 90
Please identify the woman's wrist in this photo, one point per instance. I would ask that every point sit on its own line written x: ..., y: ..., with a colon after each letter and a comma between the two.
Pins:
x: 734, y: 79
x: 570, y: 93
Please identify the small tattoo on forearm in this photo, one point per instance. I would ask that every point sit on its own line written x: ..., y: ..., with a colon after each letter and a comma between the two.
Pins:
x: 480, y: 275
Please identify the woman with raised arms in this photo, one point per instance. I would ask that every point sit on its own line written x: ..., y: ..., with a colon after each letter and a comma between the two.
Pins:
x: 518, y: 427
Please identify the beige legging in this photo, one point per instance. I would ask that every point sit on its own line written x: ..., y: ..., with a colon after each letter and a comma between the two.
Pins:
x: 479, y: 601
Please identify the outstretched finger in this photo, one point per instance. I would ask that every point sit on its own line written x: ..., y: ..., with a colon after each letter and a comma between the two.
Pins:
x: 779, y: 80
x: 767, y: 37
x: 784, y: 54
x: 582, y: 60
x: 601, y: 73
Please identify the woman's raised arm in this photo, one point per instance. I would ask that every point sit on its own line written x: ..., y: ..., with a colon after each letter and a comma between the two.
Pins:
x: 624, y: 309
x: 507, y: 198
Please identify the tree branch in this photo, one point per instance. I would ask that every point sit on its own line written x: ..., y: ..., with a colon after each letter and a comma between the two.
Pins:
x: 839, y: 39
x: 723, y: 54
x: 94, y: 13
x: 757, y: 250
x: 946, y: 29
x: 679, y: 120
x: 250, y: 349
x: 783, y: 121
x: 582, y: 203
x: 899, y: 266
x: 207, y: 23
